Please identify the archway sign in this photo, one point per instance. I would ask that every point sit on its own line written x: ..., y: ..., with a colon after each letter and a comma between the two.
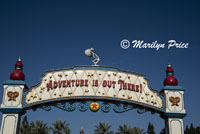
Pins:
x: 83, y: 87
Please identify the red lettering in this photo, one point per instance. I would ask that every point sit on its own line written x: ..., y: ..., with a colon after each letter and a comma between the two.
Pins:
x: 104, y: 83
x: 68, y: 83
x: 64, y: 83
x: 133, y: 87
x: 140, y: 88
x: 55, y: 84
x: 96, y: 83
x: 137, y: 88
x: 113, y: 83
x: 129, y: 86
x: 60, y: 84
x: 121, y: 83
x: 49, y: 85
x: 109, y: 84
x: 125, y: 86
x: 82, y: 83
x: 73, y: 83
x: 86, y: 83
x: 77, y: 83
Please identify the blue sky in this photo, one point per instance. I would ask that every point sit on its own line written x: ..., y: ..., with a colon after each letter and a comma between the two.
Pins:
x: 54, y: 34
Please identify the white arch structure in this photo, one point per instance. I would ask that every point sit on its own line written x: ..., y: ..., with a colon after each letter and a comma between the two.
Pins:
x: 73, y: 88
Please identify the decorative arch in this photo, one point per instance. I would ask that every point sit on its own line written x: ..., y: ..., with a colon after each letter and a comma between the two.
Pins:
x: 83, y: 87
x: 124, y: 89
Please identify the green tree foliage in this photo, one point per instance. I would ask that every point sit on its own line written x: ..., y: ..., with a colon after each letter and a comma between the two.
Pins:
x: 60, y: 127
x: 162, y: 131
x: 198, y: 129
x: 125, y: 129
x: 103, y: 128
x: 150, y: 129
x: 38, y: 127
x: 25, y: 128
x: 187, y: 130
x: 192, y: 130
x: 137, y: 130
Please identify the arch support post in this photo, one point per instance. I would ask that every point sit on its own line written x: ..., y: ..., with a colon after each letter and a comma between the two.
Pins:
x: 174, y: 125
x: 174, y: 109
x: 12, y: 106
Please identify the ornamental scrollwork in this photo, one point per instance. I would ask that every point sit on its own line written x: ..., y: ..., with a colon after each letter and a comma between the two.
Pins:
x: 141, y: 111
x: 174, y: 100
x: 105, y: 107
x: 83, y: 106
x: 121, y: 108
x: 12, y: 95
x: 46, y: 108
x: 66, y: 106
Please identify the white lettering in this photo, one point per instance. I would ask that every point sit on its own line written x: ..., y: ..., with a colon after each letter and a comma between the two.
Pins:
x: 141, y: 44
x: 173, y: 43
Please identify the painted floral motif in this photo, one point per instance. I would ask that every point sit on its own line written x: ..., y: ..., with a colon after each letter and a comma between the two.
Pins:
x: 12, y: 95
x: 174, y: 100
